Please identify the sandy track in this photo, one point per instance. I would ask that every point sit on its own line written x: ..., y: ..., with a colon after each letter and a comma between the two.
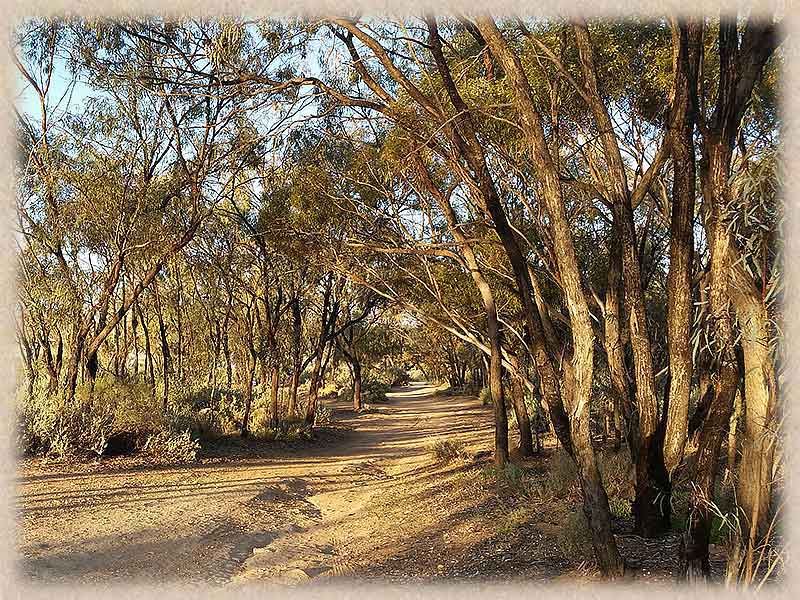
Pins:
x: 281, y: 516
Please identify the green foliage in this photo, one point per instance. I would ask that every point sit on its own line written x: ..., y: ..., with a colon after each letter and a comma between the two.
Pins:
x: 372, y: 392
x: 136, y: 411
x: 116, y: 411
x: 512, y: 478
x: 289, y: 430
x: 210, y: 413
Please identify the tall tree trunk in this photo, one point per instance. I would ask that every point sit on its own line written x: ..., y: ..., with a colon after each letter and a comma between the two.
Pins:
x: 295, y: 383
x: 273, y: 398
x: 651, y: 505
x: 715, y: 178
x: 149, y: 370
x: 754, y: 486
x: 594, y: 495
x: 356, y: 383
x: 740, y: 65
x: 313, y: 389
x: 523, y: 420
x: 297, y: 333
x: 613, y: 343
x: 166, y: 358
x: 252, y: 361
x: 688, y: 39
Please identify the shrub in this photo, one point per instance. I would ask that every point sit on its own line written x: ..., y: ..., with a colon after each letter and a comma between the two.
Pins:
x: 372, y: 392
x: 323, y: 415
x: 329, y: 390
x: 573, y: 539
x: 485, y: 396
x: 562, y: 474
x: 448, y: 450
x: 135, y: 411
x: 616, y: 470
x: 172, y: 447
x: 116, y: 414
x: 390, y: 376
x: 515, y: 479
x: 512, y: 520
x: 398, y: 376
x: 221, y: 416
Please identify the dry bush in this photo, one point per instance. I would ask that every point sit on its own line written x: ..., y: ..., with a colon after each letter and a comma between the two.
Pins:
x: 562, y: 475
x: 485, y: 396
x: 324, y: 415
x: 448, y: 450
x: 117, y: 415
x: 172, y: 447
x: 573, y: 538
x: 619, y: 479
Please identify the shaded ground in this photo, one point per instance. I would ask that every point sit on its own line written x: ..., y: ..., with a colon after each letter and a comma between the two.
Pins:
x: 365, y: 500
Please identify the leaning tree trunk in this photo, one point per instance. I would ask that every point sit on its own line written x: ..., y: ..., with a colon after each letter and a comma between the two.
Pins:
x: 493, y: 327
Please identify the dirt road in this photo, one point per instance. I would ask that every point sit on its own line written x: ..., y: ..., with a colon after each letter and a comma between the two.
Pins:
x: 282, y: 515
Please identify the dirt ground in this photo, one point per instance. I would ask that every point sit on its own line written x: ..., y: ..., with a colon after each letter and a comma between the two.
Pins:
x: 366, y: 499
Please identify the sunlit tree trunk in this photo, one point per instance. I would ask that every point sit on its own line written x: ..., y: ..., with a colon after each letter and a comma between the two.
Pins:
x: 687, y: 37
x: 594, y: 495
